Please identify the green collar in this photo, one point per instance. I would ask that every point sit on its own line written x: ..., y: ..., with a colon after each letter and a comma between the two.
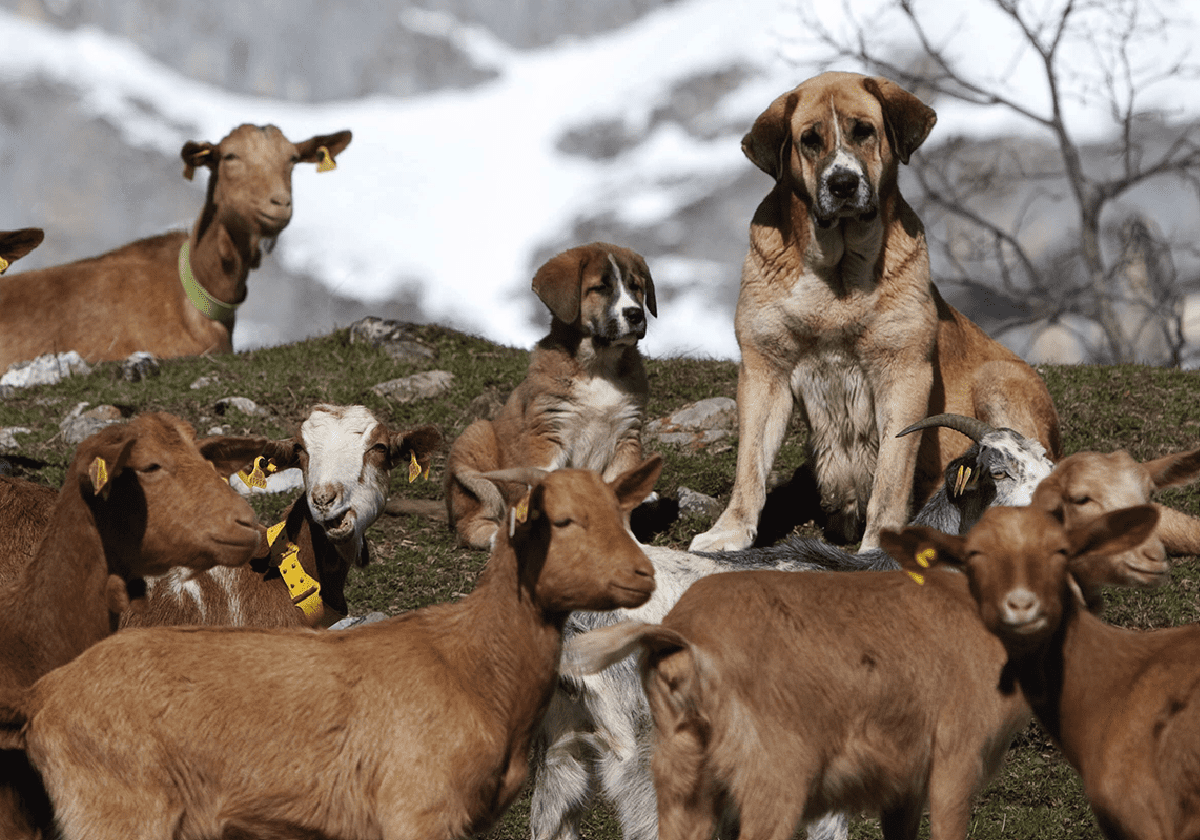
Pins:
x: 209, y: 306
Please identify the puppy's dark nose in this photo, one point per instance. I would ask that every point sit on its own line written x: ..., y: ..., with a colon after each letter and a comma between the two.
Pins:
x: 842, y: 183
x: 633, y: 315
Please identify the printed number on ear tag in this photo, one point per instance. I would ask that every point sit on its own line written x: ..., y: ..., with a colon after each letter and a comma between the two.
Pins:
x: 257, y: 476
x: 924, y: 558
x: 327, y: 163
x: 919, y: 578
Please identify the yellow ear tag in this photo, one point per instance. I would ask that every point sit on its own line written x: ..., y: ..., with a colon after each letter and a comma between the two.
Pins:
x: 960, y: 483
x: 414, y: 469
x: 98, y: 473
x: 327, y: 163
x: 924, y: 558
x: 257, y: 476
x: 919, y: 578
x: 3, y: 265
x: 522, y: 509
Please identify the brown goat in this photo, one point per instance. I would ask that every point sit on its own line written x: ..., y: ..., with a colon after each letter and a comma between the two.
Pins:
x: 1123, y: 705
x: 347, y: 456
x: 1086, y: 484
x: 127, y: 508
x: 149, y: 295
x: 415, y: 726
x: 15, y: 244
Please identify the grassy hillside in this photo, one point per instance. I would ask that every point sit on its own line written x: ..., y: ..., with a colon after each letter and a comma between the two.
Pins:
x: 1145, y: 410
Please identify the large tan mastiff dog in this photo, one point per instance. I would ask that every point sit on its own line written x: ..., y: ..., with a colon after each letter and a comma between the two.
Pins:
x: 837, y: 311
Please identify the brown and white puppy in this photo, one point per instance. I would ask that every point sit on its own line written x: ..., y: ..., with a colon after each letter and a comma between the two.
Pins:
x: 836, y: 311
x: 581, y: 404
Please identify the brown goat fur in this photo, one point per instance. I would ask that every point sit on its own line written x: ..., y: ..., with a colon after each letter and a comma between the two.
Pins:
x: 108, y: 528
x: 414, y: 726
x: 582, y: 401
x: 1123, y: 705
x: 347, y: 456
x: 132, y: 298
x: 786, y: 696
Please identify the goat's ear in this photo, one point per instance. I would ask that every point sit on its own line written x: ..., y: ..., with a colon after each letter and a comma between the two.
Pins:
x: 907, y: 119
x: 918, y: 549
x: 1048, y: 496
x: 196, y: 153
x: 769, y: 141
x: 1173, y: 470
x: 1114, y: 532
x: 309, y: 151
x: 559, y: 282
x: 15, y: 244
x: 104, y: 456
x: 415, y: 446
x: 229, y: 454
x: 632, y: 487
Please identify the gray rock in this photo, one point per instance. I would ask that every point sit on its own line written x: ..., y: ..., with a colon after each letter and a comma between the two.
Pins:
x: 693, y: 503
x: 419, y: 386
x: 358, y: 620
x: 140, y: 365
x: 203, y: 382
x: 45, y: 370
x: 80, y: 424
x: 394, y: 337
x: 243, y: 404
x: 8, y: 435
x: 697, y: 425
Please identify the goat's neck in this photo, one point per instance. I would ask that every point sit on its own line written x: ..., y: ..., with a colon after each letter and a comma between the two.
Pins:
x: 1077, y: 680
x: 64, y: 588
x: 519, y: 643
x: 222, y: 255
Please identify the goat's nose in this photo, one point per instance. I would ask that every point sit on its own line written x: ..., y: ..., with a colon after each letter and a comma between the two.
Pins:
x: 324, y: 496
x: 281, y: 199
x: 1020, y: 606
x: 633, y: 315
x: 842, y: 183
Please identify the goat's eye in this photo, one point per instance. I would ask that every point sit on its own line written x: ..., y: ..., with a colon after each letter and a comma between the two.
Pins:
x: 811, y: 140
x: 999, y: 475
x: 229, y: 156
x: 1079, y: 500
x: 563, y: 523
x: 150, y: 468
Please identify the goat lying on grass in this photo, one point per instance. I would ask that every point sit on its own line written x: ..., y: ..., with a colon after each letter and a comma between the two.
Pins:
x: 174, y: 294
x: 347, y: 456
x: 126, y: 509
x: 1122, y: 704
x: 596, y: 736
x: 417, y: 726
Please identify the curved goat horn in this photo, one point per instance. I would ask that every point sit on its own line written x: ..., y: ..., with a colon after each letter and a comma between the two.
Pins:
x: 972, y: 427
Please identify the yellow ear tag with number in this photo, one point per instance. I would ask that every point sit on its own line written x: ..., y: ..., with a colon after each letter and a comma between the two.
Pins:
x: 924, y: 558
x: 3, y: 265
x: 327, y: 163
x: 919, y: 578
x: 414, y: 469
x: 98, y: 473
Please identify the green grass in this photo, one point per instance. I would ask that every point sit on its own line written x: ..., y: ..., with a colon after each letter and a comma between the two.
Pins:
x: 1148, y: 411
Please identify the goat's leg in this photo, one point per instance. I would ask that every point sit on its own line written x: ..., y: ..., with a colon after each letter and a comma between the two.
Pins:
x: 829, y: 827
x: 565, y: 779
x: 627, y: 783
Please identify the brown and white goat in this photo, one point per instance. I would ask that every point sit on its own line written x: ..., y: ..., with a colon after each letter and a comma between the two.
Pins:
x: 1123, y: 705
x: 347, y: 456
x: 416, y: 726
x: 128, y: 507
x: 174, y: 294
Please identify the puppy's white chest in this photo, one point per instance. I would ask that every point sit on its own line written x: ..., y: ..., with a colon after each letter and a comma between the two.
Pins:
x: 597, y: 417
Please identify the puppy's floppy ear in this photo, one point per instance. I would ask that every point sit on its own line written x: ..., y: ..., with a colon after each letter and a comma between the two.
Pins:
x: 558, y: 282
x: 907, y: 119
x: 644, y: 271
x: 769, y: 140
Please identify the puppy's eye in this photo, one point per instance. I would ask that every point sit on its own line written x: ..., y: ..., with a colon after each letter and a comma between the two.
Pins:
x: 1079, y: 500
x: 861, y: 132
x: 811, y: 141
